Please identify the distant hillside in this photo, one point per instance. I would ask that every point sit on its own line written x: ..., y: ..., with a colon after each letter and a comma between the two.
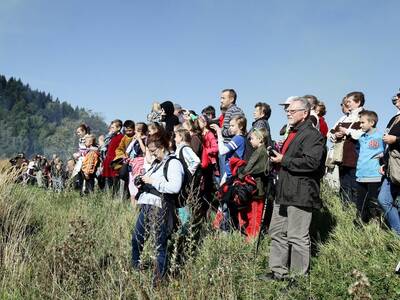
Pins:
x: 33, y: 123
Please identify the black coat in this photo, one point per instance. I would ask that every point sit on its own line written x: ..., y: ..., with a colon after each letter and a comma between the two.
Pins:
x: 302, y: 168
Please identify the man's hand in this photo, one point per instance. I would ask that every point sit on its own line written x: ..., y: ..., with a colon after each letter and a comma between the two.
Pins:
x: 277, y: 158
x: 389, y: 139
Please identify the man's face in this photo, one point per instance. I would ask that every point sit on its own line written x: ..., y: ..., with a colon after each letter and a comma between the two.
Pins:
x: 296, y: 113
x: 226, y: 99
x: 257, y: 114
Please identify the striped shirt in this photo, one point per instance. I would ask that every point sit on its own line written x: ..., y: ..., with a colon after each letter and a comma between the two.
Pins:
x: 233, y: 111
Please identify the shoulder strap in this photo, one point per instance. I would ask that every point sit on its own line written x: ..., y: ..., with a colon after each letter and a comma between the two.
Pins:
x: 165, y: 170
x: 182, y: 158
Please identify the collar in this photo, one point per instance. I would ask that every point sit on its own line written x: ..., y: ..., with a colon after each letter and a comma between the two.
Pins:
x: 301, y: 125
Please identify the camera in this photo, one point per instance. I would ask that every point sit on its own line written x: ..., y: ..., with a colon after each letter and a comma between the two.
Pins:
x: 138, y: 181
x: 271, y: 152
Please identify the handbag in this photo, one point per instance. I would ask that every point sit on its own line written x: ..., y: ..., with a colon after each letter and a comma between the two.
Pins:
x: 394, y: 166
x: 393, y: 169
x: 337, y: 153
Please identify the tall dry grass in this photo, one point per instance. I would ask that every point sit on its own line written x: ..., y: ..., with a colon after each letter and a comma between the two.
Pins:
x: 62, y: 246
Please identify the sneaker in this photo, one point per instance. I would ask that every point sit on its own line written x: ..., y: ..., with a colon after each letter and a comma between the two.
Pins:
x: 269, y: 277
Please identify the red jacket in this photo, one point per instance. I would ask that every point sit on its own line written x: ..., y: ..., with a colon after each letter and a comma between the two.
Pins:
x: 323, y: 127
x: 210, y: 150
x: 112, y: 146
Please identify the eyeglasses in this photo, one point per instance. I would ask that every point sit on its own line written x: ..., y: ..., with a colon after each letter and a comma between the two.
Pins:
x: 152, y: 151
x: 293, y: 111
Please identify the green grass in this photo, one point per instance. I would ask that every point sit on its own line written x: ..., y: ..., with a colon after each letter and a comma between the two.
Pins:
x: 62, y: 246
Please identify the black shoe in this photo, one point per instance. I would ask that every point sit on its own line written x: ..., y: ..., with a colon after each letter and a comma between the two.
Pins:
x: 269, y: 277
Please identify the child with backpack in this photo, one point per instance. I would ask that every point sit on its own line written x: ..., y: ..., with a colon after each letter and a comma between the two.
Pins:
x: 370, y: 148
x: 189, y: 160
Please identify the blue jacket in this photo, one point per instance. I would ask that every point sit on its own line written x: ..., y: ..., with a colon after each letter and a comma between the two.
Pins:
x: 370, y: 148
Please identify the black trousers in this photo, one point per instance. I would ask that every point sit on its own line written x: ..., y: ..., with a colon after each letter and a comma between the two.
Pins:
x: 367, y: 200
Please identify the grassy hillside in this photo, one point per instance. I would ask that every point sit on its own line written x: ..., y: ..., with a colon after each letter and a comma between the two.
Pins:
x: 63, y: 246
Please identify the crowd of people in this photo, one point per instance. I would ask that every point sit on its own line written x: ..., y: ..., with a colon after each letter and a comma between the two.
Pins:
x: 182, y: 165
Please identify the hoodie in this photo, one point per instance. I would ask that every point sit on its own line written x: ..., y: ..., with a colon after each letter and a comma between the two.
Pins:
x: 169, y: 118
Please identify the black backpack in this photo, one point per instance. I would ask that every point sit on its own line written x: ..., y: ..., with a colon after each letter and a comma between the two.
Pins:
x: 189, y: 181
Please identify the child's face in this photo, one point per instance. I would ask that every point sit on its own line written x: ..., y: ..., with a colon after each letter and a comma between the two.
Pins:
x: 114, y: 128
x: 129, y: 131
x: 88, y: 142
x: 365, y: 124
x: 202, y: 124
x: 152, y: 130
x: 234, y: 128
x: 178, y: 139
x: 254, y: 140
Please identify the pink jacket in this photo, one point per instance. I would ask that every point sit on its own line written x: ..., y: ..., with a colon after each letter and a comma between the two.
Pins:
x: 210, y: 150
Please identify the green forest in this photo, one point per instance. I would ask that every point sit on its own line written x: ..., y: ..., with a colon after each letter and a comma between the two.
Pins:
x: 33, y: 122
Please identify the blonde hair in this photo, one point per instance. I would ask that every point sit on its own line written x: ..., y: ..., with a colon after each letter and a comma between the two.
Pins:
x: 241, y: 122
x: 92, y: 137
x: 261, y: 134
x: 156, y: 107
x: 184, y: 134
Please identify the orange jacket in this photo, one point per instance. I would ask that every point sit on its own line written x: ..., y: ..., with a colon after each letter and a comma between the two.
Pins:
x: 90, y: 162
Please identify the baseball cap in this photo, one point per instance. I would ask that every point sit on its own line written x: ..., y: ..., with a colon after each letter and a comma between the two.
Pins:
x: 289, y: 100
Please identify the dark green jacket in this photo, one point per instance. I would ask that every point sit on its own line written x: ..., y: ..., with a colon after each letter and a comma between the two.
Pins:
x: 257, y: 166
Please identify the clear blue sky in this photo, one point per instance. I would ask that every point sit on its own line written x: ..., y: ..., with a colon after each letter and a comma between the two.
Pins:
x: 116, y: 57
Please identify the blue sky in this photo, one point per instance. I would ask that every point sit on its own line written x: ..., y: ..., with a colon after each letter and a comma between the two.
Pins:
x: 117, y: 57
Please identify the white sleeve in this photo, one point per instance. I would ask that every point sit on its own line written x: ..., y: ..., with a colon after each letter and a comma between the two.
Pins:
x: 222, y: 148
x: 175, y: 178
x: 191, y: 159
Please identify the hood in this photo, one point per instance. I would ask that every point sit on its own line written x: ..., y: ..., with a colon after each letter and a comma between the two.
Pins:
x: 168, y: 107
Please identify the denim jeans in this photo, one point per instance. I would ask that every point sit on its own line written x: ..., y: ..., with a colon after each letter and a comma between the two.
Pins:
x: 159, y: 220
x: 348, y: 185
x: 387, y: 198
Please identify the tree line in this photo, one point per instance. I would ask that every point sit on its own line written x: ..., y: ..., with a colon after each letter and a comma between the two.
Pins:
x: 33, y: 122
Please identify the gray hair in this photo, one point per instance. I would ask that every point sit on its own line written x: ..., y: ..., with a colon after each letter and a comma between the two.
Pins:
x: 304, y: 103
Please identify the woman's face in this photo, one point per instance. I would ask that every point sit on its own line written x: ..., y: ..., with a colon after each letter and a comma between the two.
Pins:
x: 157, y: 153
x: 80, y: 132
x: 351, y: 104
x: 202, y: 124
x: 397, y: 104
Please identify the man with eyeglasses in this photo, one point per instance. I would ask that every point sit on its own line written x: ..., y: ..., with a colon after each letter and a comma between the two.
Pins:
x: 301, y: 167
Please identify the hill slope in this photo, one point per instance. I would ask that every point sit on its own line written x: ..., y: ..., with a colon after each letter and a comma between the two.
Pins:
x: 33, y: 123
x: 62, y: 246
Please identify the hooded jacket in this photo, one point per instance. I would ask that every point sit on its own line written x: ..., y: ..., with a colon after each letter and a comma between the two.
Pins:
x: 169, y: 118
